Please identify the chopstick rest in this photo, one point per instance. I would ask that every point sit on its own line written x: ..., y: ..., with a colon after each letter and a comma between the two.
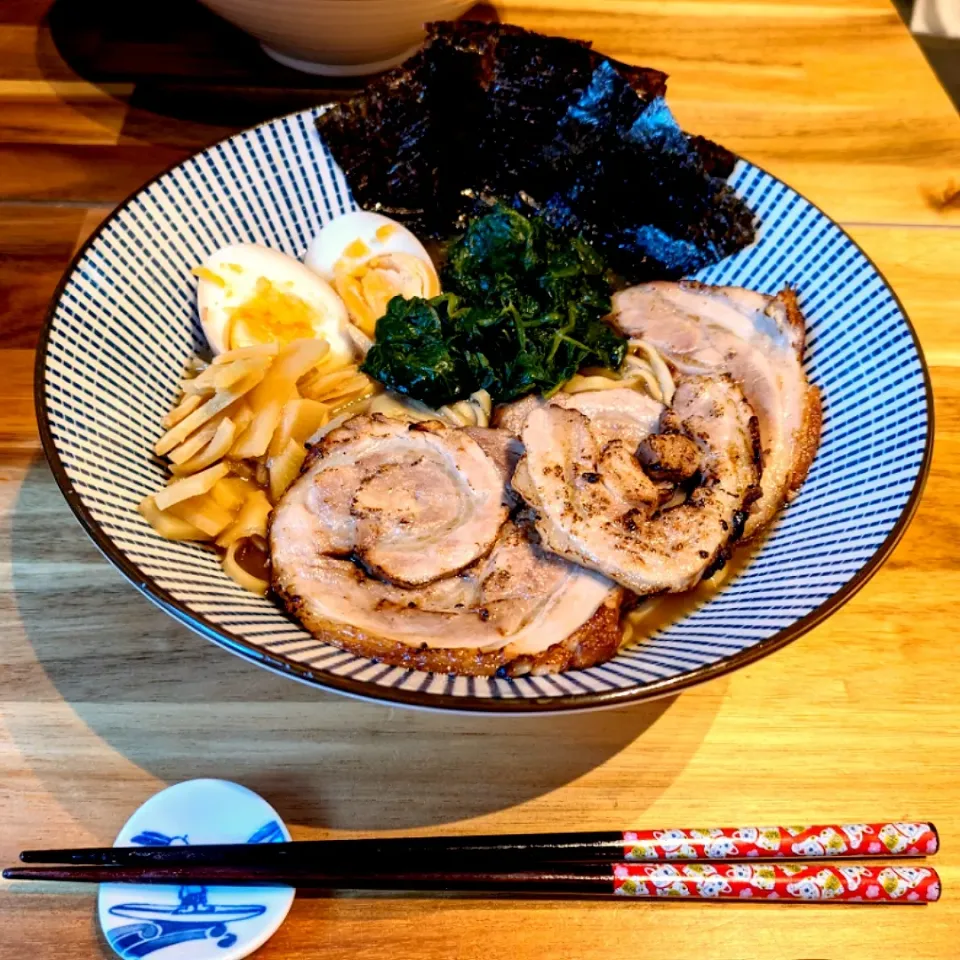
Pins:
x: 217, y: 922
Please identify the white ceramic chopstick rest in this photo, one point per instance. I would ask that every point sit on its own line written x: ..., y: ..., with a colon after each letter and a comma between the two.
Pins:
x: 195, y: 922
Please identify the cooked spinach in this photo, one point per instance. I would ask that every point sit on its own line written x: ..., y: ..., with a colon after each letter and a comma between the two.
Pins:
x: 522, y: 311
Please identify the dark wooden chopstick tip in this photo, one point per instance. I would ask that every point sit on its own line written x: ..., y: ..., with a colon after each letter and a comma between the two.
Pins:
x: 83, y: 854
x: 38, y: 873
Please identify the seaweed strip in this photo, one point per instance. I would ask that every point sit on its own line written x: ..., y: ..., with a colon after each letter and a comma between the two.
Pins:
x: 492, y: 110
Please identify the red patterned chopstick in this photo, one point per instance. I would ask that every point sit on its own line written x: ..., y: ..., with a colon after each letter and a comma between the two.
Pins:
x: 799, y: 883
x: 523, y: 851
x: 780, y: 881
x: 773, y: 843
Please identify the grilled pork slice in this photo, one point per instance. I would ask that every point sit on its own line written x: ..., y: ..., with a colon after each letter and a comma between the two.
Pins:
x: 620, y: 413
x: 595, y: 504
x: 518, y: 609
x: 513, y: 608
x: 415, y: 502
x: 512, y: 416
x: 756, y: 339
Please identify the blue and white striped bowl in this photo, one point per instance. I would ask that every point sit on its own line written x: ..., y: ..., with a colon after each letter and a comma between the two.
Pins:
x: 124, y: 321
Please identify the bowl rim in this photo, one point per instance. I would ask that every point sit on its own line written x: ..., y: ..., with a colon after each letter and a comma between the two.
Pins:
x: 447, y: 703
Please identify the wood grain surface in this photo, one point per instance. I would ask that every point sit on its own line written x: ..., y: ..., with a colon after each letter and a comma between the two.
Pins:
x: 104, y: 699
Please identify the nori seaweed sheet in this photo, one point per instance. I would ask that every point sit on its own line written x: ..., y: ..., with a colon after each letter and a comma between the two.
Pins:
x: 548, y: 125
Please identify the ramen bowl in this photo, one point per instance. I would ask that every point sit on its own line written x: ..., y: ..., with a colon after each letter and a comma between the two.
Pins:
x: 124, y: 320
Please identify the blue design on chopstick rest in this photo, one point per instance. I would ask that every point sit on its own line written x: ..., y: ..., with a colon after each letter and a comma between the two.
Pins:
x: 193, y: 918
x: 150, y: 838
x: 164, y: 926
x: 268, y: 833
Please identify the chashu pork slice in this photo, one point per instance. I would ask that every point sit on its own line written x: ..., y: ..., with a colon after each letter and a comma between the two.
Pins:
x: 620, y: 412
x: 512, y: 416
x: 596, y: 505
x: 414, y: 501
x: 519, y: 608
x: 756, y: 339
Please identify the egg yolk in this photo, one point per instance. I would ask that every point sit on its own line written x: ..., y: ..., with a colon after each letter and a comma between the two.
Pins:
x: 370, y: 287
x: 356, y: 249
x: 271, y: 315
x: 205, y: 273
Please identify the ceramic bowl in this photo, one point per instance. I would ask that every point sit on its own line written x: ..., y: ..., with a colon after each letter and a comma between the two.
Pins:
x: 124, y: 321
x: 338, y: 38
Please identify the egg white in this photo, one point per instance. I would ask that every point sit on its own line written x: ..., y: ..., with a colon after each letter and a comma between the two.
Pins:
x: 238, y: 268
x: 329, y: 246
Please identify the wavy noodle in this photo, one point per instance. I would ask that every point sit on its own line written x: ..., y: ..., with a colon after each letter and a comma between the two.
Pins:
x: 472, y: 412
x: 233, y: 570
x: 579, y: 383
x: 642, y: 369
x: 396, y: 405
x: 658, y: 366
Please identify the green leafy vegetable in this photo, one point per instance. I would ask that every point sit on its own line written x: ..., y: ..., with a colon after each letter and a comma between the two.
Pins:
x: 523, y: 311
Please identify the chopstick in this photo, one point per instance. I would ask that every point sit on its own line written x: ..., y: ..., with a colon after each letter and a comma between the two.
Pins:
x: 752, y: 844
x: 800, y: 883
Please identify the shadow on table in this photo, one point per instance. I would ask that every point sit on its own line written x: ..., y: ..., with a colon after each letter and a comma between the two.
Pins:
x: 183, y: 62
x: 179, y: 707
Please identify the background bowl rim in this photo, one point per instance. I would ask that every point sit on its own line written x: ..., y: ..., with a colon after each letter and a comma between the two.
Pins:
x: 448, y: 703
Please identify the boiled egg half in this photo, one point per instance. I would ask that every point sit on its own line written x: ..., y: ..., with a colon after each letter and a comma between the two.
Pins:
x: 370, y: 259
x: 249, y: 294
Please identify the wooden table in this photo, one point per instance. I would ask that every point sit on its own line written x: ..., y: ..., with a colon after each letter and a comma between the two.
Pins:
x: 104, y: 700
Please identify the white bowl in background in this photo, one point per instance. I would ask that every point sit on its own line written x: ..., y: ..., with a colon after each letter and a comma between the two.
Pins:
x: 337, y: 38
